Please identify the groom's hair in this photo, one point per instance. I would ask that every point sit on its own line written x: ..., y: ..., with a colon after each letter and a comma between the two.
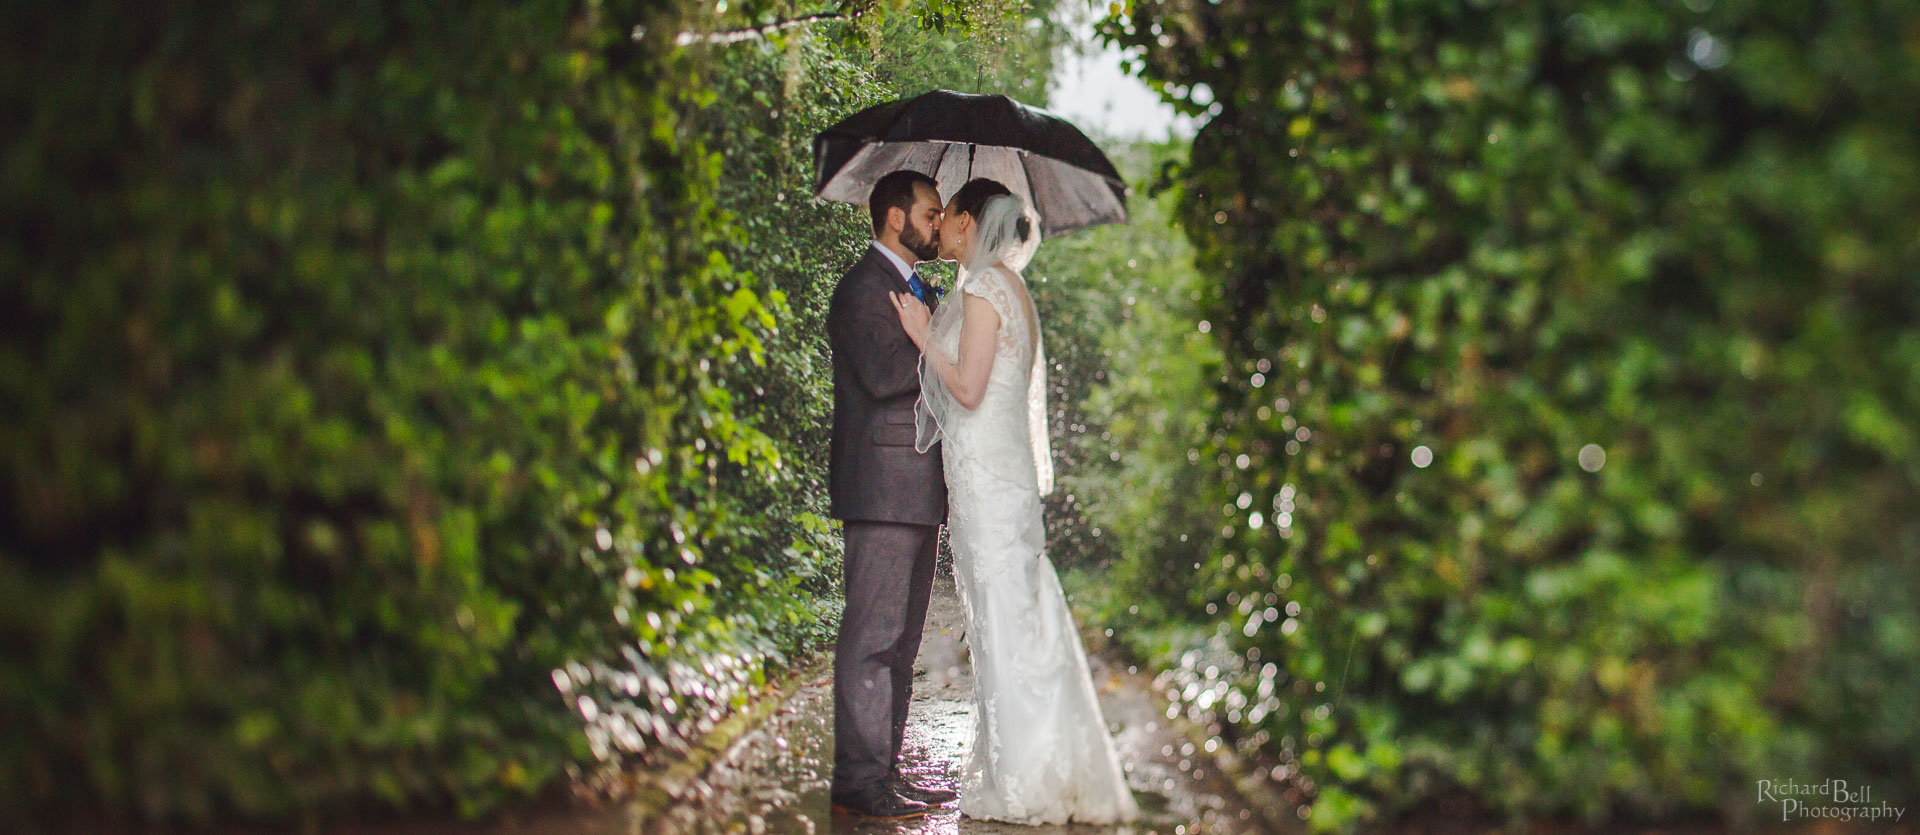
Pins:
x: 895, y: 191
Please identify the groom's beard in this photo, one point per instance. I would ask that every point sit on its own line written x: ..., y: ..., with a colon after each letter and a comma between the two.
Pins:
x: 924, y: 248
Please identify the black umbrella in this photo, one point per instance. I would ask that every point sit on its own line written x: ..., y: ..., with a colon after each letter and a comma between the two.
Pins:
x: 953, y: 137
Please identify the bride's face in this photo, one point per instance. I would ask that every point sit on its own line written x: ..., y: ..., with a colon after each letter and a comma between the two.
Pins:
x: 956, y: 233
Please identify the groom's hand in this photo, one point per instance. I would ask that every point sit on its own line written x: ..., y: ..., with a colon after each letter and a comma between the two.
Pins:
x: 914, y: 317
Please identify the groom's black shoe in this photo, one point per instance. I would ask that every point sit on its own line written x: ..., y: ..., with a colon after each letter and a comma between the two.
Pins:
x: 931, y: 795
x: 879, y: 801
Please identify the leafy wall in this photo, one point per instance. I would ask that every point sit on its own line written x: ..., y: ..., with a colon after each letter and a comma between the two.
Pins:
x: 1560, y: 451
x: 412, y: 406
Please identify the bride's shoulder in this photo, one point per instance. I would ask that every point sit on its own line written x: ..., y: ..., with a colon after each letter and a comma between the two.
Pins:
x: 984, y: 281
x: 998, y: 276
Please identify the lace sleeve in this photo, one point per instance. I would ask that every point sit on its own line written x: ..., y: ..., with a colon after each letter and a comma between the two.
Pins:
x: 991, y: 284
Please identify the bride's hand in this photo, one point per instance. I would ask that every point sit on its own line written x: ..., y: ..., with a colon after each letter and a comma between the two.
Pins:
x: 913, y: 317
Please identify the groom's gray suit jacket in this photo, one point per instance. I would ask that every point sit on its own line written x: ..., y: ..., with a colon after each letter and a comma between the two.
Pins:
x: 874, y: 473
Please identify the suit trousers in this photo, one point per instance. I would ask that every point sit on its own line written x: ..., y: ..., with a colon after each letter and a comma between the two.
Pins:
x: 889, y: 579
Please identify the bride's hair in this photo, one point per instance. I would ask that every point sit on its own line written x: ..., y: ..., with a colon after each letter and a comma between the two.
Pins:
x: 1004, y: 230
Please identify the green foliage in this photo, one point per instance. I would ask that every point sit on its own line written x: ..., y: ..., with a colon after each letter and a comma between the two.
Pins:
x: 1098, y: 290
x: 410, y: 407
x: 770, y: 99
x: 1007, y: 48
x: 913, y: 46
x: 368, y: 433
x: 1564, y: 444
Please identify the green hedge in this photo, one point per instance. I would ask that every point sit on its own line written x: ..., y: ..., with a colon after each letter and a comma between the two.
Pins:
x: 411, y: 407
x: 1560, y: 445
x: 366, y: 410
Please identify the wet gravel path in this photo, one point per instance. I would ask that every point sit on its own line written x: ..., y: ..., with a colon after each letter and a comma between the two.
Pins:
x: 774, y: 777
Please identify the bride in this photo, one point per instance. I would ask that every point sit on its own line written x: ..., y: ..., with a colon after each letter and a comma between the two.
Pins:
x: 1040, y: 751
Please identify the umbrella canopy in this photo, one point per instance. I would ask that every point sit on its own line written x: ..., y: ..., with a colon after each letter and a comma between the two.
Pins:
x: 953, y: 137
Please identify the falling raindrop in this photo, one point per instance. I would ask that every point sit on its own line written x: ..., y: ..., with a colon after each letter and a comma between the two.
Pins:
x: 1706, y: 50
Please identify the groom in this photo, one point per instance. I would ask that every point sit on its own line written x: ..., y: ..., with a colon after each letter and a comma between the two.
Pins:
x: 891, y: 498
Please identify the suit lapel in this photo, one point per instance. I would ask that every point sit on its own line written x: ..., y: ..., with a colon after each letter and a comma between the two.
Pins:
x: 876, y: 261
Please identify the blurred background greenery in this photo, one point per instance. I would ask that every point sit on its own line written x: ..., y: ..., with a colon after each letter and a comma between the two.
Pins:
x: 1499, y: 408
x: 1560, y: 452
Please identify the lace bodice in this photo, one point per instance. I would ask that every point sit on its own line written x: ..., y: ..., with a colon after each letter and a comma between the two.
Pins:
x: 1007, y: 293
x: 1011, y: 416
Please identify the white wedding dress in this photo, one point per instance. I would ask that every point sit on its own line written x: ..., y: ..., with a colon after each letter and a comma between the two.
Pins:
x: 1040, y: 753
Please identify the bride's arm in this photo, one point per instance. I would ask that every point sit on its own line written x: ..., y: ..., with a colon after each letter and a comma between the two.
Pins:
x: 965, y: 378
